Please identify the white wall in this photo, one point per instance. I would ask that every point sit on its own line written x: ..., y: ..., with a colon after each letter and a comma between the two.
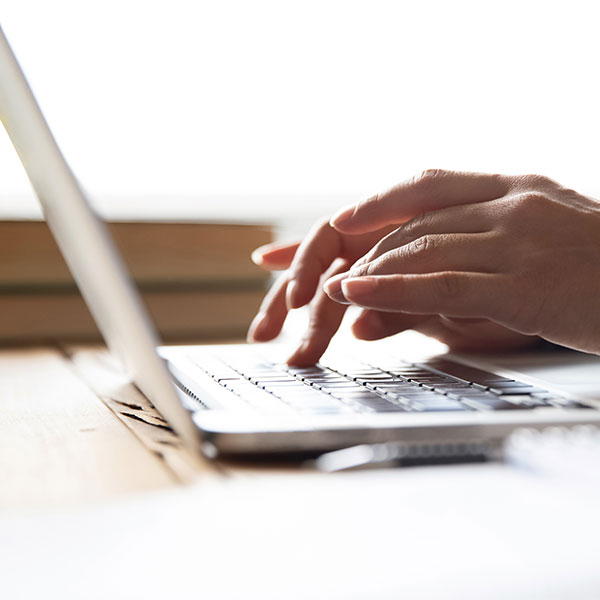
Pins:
x: 309, y: 97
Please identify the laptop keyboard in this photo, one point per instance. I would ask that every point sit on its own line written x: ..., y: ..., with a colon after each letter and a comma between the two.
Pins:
x: 438, y: 385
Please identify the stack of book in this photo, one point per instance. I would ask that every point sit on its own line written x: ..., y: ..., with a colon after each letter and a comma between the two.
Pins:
x: 196, y: 279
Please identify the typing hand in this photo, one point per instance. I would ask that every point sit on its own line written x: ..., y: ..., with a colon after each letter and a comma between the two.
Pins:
x: 522, y: 252
x: 325, y: 252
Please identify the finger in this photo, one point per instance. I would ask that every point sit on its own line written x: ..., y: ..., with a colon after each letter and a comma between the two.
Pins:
x: 325, y: 319
x: 272, y: 313
x: 431, y: 190
x: 472, y: 252
x: 375, y: 325
x: 470, y: 218
x: 314, y: 255
x: 275, y: 257
x: 449, y: 293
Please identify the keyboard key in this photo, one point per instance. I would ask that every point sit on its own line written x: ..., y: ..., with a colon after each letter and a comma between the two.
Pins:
x: 323, y: 410
x: 515, y: 389
x: 215, y: 368
x: 441, y: 404
x: 413, y: 374
x: 259, y: 399
x: 353, y: 395
x: 431, y: 378
x: 464, y: 372
x: 392, y: 385
x: 528, y: 400
x: 467, y: 391
x: 328, y: 389
x: 353, y: 374
x: 305, y: 371
x: 492, y: 403
x: 449, y: 388
x: 378, y: 404
x: 351, y: 385
x: 282, y: 388
x: 567, y: 403
x: 320, y: 376
x: 311, y: 400
x: 288, y: 386
x: 375, y: 378
x: 507, y: 384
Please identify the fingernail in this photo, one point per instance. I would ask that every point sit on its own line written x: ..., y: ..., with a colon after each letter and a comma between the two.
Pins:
x: 357, y: 288
x: 333, y: 288
x: 257, y: 257
x: 290, y: 294
x: 258, y: 324
x: 341, y: 216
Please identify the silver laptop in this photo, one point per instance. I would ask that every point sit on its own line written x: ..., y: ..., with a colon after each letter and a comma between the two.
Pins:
x: 243, y: 399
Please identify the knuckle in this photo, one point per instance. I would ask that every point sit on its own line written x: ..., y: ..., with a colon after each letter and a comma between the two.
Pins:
x: 376, y: 267
x: 536, y: 181
x: 428, y: 176
x: 526, y: 202
x: 530, y: 200
x: 362, y: 262
x: 378, y: 249
x: 569, y: 193
x: 422, y: 222
x: 422, y: 245
x: 369, y: 269
x: 383, y: 265
x: 364, y: 268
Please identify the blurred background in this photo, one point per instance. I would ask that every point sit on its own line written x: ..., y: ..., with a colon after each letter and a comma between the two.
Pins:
x: 273, y: 113
x: 312, y: 103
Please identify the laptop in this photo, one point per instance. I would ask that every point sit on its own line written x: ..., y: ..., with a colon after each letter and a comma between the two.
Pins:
x: 244, y: 399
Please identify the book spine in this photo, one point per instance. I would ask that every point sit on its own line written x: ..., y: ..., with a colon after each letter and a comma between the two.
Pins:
x: 156, y: 254
x: 185, y: 316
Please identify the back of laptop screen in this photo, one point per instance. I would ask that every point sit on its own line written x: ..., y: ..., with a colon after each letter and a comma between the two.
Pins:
x: 87, y: 246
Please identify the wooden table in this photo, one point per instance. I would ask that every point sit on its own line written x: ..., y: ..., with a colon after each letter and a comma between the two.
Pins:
x: 74, y: 430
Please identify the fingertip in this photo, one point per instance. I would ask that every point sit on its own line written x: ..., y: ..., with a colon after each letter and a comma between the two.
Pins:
x: 368, y: 326
x: 275, y: 256
x: 333, y: 288
x: 341, y: 217
x: 261, y: 329
x: 257, y: 257
x: 303, y: 356
x: 254, y: 330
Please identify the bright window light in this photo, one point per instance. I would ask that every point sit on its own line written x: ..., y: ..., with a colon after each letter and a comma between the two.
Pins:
x: 315, y: 97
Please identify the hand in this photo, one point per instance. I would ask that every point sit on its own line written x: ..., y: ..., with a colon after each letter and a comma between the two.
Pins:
x: 324, y: 252
x: 522, y: 252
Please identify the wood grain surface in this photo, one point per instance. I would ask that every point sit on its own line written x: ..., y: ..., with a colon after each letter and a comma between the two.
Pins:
x: 59, y: 443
